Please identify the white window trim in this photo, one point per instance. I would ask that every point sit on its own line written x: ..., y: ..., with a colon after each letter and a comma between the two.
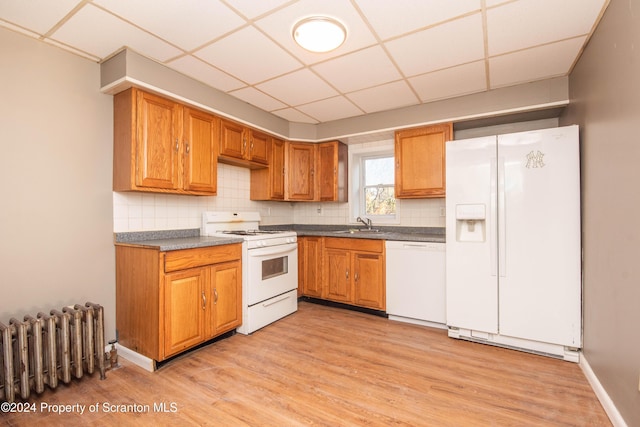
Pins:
x: 355, y: 179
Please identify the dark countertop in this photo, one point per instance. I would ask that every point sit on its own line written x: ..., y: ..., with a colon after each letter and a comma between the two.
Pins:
x: 410, y: 234
x: 171, y: 240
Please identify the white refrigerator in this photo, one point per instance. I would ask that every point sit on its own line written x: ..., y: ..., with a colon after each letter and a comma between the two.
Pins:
x: 513, y: 252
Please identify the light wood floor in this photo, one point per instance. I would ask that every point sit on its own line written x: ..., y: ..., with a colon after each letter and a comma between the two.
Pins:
x: 332, y: 367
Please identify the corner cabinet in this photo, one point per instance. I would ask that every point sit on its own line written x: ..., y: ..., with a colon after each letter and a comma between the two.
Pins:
x: 163, y: 146
x: 333, y: 169
x: 168, y: 302
x: 420, y: 161
x: 354, y: 272
x: 318, y: 172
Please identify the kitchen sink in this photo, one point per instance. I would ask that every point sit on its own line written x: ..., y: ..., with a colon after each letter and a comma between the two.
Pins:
x: 357, y: 230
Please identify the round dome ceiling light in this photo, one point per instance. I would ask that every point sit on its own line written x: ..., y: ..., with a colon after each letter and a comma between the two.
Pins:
x: 319, y: 34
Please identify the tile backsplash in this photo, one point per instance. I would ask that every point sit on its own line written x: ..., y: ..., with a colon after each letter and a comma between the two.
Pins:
x: 150, y: 211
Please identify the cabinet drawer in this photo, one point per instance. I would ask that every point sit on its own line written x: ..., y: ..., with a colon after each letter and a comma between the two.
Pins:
x: 354, y: 244
x: 189, y: 258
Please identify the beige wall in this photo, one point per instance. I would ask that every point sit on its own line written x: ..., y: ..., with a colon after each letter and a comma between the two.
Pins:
x: 56, y: 238
x: 605, y: 102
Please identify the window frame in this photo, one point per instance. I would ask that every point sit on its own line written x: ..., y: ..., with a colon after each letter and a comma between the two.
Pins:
x: 356, y: 183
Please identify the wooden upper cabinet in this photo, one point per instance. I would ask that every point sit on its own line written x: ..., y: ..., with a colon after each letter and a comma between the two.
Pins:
x: 157, y: 142
x: 301, y: 179
x: 150, y: 150
x: 243, y: 146
x: 420, y: 161
x: 201, y: 154
x: 268, y: 183
x: 332, y: 172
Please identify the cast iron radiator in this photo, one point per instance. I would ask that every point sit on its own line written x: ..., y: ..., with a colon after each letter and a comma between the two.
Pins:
x: 46, y: 349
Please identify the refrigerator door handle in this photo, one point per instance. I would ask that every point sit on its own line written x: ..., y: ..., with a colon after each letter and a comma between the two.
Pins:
x: 492, y: 221
x: 502, y: 220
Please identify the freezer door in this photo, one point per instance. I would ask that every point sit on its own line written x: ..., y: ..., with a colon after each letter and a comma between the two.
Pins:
x: 471, y: 256
x: 539, y: 236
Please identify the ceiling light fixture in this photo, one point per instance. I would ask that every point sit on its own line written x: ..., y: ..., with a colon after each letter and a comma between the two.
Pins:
x: 319, y: 34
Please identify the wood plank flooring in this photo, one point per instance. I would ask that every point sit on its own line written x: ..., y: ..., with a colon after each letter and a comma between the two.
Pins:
x: 326, y: 366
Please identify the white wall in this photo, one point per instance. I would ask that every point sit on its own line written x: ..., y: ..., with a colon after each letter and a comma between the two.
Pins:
x: 56, y: 217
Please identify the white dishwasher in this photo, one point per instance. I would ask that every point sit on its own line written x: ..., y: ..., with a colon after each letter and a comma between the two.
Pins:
x: 416, y: 282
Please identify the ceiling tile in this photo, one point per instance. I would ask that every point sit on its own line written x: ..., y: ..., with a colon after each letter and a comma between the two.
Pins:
x: 527, y: 23
x: 248, y: 55
x: 259, y: 99
x: 446, y: 45
x: 185, y: 23
x: 36, y: 15
x: 200, y: 70
x: 450, y: 82
x: 299, y: 87
x: 279, y: 26
x: 537, y: 63
x: 385, y: 97
x: 101, y: 34
x: 379, y: 70
x: 416, y: 14
x: 331, y: 109
x: 293, y: 115
x: 252, y: 8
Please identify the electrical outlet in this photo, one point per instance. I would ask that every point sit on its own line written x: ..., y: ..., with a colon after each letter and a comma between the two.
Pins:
x: 443, y: 212
x: 319, y: 211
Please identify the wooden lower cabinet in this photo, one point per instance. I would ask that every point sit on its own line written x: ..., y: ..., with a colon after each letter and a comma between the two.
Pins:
x: 353, y: 272
x: 310, y: 266
x: 167, y: 302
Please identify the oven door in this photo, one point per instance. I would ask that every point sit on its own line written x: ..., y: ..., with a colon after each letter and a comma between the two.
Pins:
x: 271, y: 271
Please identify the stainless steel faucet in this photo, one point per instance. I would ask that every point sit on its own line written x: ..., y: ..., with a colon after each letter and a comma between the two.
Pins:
x: 365, y: 221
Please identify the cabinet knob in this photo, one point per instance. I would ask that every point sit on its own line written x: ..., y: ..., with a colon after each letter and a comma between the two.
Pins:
x: 355, y: 278
x: 177, y: 146
x: 204, y: 301
x: 347, y: 271
x: 187, y: 148
x: 215, y: 296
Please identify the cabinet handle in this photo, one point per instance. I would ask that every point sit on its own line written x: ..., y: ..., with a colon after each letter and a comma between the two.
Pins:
x: 204, y: 301
x: 335, y: 171
x: 187, y: 149
x: 244, y: 144
x: 177, y: 146
x: 355, y: 277
x: 347, y: 271
x: 215, y: 295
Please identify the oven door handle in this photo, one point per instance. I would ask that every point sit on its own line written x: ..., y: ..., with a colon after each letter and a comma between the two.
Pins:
x: 274, y: 250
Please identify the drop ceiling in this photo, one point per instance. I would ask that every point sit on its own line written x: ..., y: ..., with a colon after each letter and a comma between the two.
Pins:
x: 397, y: 53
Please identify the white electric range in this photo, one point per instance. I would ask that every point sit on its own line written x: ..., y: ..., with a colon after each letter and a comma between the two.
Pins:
x: 269, y: 267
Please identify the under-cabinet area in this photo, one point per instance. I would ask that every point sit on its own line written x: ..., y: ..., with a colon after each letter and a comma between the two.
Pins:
x: 170, y: 301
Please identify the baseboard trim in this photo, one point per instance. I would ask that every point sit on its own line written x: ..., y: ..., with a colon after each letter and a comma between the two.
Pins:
x: 136, y: 358
x: 601, y: 394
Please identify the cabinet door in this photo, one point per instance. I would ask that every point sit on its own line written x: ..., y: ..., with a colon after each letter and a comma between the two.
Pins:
x: 310, y: 270
x: 420, y: 161
x: 276, y: 169
x: 184, y: 307
x: 368, y: 280
x: 259, y: 144
x: 332, y: 171
x: 337, y: 275
x: 157, y: 142
x: 233, y: 142
x: 200, y: 151
x: 225, y: 298
x: 301, y: 174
